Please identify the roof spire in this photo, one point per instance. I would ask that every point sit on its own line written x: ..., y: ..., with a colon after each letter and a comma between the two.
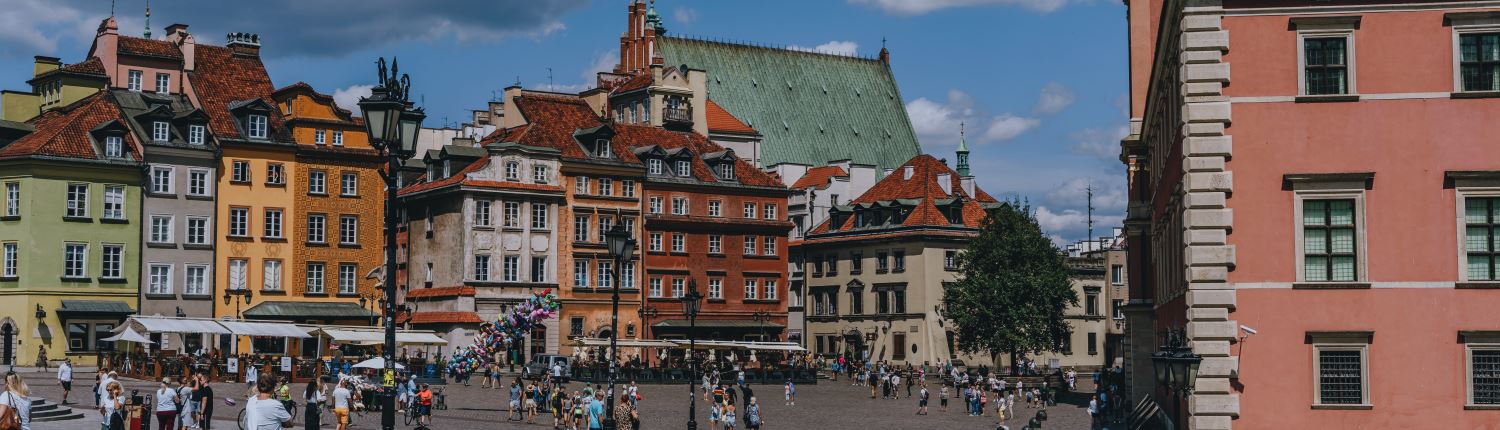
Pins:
x: 148, y: 19
x: 885, y: 55
x: 963, y: 152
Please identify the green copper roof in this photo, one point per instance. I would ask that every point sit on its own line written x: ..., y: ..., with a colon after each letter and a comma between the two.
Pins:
x: 810, y: 108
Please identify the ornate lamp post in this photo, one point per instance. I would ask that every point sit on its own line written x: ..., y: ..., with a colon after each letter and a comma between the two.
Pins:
x: 393, y: 125
x: 761, y: 317
x: 244, y: 293
x: 1176, y: 369
x: 621, y: 248
x: 648, y: 314
x: 690, y: 303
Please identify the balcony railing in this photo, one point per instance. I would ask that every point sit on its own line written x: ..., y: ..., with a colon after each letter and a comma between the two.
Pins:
x: 682, y: 115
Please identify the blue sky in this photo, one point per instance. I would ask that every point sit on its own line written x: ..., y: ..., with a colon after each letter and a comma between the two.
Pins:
x: 1040, y: 84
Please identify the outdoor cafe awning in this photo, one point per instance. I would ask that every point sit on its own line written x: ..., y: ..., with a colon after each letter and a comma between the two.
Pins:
x: 734, y: 344
x: 267, y: 329
x: 177, y: 325
x: 375, y: 336
x: 625, y: 343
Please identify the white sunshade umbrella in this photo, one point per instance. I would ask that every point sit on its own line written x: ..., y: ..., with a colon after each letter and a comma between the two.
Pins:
x: 129, y: 335
x: 376, y: 363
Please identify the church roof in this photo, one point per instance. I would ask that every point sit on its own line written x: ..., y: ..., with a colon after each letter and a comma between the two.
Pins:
x: 809, y: 107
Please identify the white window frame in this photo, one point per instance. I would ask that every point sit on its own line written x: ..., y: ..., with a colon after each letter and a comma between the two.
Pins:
x: 317, y: 182
x: 1476, y: 341
x: 538, y: 271
x: 271, y: 274
x: 481, y: 268
x: 163, y: 83
x: 114, y: 146
x: 768, y: 290
x: 1340, y: 342
x: 241, y: 280
x: 317, y: 228
x: 1460, y: 28
x: 352, y: 238
x: 655, y: 284
x: 240, y: 171
x: 681, y: 205
x: 483, y: 215
x: 273, y: 223
x: 513, y: 171
x: 161, y: 131
x: 512, y: 215
x: 348, y: 184
x: 77, y: 201
x: 198, y: 224
x: 581, y: 268
x: 715, y: 244
x: 679, y: 242
x: 319, y: 137
x: 78, y: 268
x: 752, y: 289
x: 655, y: 205
x: 511, y: 268
x: 684, y: 168
x: 749, y: 245
x: 606, y: 187
x: 317, y: 277
x: 162, y: 180
x: 1464, y: 191
x: 581, y: 231
x: 581, y: 185
x: 114, y: 202
x: 715, y: 208
x: 1324, y: 31
x: 716, y: 288
x: 677, y: 287
x: 338, y: 138
x: 769, y: 211
x: 256, y: 126
x: 540, y: 173
x: 750, y: 210
x: 133, y: 80
x: 239, y: 222
x: 203, y: 282
x: 654, y: 166
x: 656, y: 242
x: 1331, y: 191
x: 539, y: 216
x: 768, y: 245
x: 161, y: 229
x: 162, y: 288
x: 118, y: 262
x: 197, y: 134
x: 10, y: 259
x: 199, y: 184
x: 1116, y: 274
x: 13, y: 199
x: 605, y: 272
x: 627, y: 188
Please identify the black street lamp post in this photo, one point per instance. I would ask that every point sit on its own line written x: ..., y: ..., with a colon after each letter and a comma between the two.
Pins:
x: 761, y: 317
x: 244, y: 293
x: 690, y: 304
x: 621, y: 248
x: 393, y: 125
x: 1176, y: 369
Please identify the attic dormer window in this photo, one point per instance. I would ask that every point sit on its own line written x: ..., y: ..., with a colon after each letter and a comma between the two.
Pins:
x: 725, y: 170
x: 655, y: 166
x: 197, y: 134
x: 512, y: 171
x: 684, y: 168
x: 255, y: 126
x: 114, y: 146
x: 601, y: 149
x: 159, y: 131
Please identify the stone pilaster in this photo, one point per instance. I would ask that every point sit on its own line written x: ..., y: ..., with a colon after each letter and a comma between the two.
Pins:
x: 1207, y: 221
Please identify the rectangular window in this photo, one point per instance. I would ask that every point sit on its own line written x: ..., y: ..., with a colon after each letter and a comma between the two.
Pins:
x: 512, y: 268
x: 349, y: 184
x: 575, y: 327
x: 771, y: 290
x: 655, y: 242
x: 255, y: 126
x: 606, y: 274
x: 161, y: 229
x: 114, y: 146
x: 856, y: 263
x: 317, y: 182
x: 481, y: 268
x: 1479, y: 61
x: 606, y: 187
x: 1091, y: 304
x: 163, y: 83
x: 482, y: 213
x: 1325, y: 64
x: 1117, y: 309
x: 540, y: 174
x: 716, y: 288
x: 1484, y: 374
x: 749, y: 210
x: 950, y: 259
x: 679, y: 244
x: 538, y: 268
x: 581, y: 273
x: 512, y: 214
x: 1328, y: 240
x: 241, y: 171
x: 539, y: 216
x: 11, y: 259
x: 882, y: 262
x: 348, y: 278
x: 602, y: 149
x: 627, y: 276
x: 198, y: 182
x: 272, y: 224
x: 714, y: 208
x: 319, y: 137
x: 197, y: 134
x: 317, y: 225
x: 195, y: 281
x: 580, y: 228
x: 677, y: 289
x: 112, y: 262
x: 1117, y: 274
x: 751, y: 292
x: 656, y: 287
x: 831, y: 265
x: 715, y: 243
x: 315, y: 277
x: 239, y: 273
x: 679, y: 206
x: 161, y: 180
x: 769, y: 210
x: 275, y: 174
x: 605, y: 224
x: 338, y: 138
x: 239, y: 222
x: 160, y: 132
x: 655, y: 205
x: 12, y: 199
x: 133, y: 82
x: 78, y: 199
x: 159, y: 279
x: 513, y: 171
x: 114, y: 202
x: 654, y: 166
x: 768, y: 245
x: 1481, y: 226
x: 898, y: 346
x: 627, y: 188
x: 900, y: 257
x: 749, y: 245
x: 856, y: 302
x: 684, y: 168
x: 882, y: 302
x: 271, y: 275
x: 1093, y: 343
x: 75, y: 260
x: 1341, y: 375
x: 348, y: 229
x: 581, y: 185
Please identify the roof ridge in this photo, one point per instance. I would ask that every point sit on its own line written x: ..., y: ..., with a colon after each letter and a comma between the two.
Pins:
x: 786, y: 48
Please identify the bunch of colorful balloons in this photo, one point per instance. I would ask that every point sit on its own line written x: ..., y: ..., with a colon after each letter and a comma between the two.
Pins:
x: 507, y: 329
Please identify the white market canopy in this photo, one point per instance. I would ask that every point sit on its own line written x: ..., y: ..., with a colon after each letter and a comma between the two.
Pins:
x: 625, y: 343
x: 376, y: 363
x: 377, y: 336
x: 129, y: 335
x: 266, y: 329
x: 160, y: 324
x: 177, y: 325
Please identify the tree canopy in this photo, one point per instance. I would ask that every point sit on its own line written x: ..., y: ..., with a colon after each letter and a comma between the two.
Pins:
x: 1012, y: 288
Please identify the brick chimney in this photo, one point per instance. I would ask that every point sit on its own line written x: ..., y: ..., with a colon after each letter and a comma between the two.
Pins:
x: 178, y: 35
x: 247, y: 44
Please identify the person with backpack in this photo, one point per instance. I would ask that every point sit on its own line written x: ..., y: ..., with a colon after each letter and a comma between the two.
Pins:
x: 922, y: 400
x: 110, y: 404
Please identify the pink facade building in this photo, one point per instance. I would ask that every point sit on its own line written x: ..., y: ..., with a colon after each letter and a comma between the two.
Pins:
x: 1315, y: 201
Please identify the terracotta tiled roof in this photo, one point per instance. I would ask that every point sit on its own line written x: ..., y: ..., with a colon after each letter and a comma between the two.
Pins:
x: 303, y: 88
x: 149, y: 47
x: 635, y: 136
x: 921, y: 186
x: 64, y: 131
x: 442, y: 317
x: 440, y: 292
x: 461, y: 178
x: 91, y: 67
x: 641, y: 80
x: 721, y: 120
x: 221, y: 77
x: 818, y: 177
x: 891, y: 235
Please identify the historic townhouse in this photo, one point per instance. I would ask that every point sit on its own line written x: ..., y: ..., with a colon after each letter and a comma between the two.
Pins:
x: 602, y: 181
x: 338, y: 207
x: 1312, y: 200
x: 70, y: 227
x: 483, y: 226
x: 876, y: 266
x: 814, y: 191
x: 53, y: 84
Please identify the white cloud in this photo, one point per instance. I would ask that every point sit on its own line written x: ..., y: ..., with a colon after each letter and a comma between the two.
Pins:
x: 348, y: 98
x: 1055, y: 97
x: 685, y: 15
x: 1109, y: 194
x: 919, y: 7
x: 1006, y: 127
x: 603, y: 62
x: 30, y: 27
x: 1073, y: 223
x: 1102, y: 143
x: 840, y: 47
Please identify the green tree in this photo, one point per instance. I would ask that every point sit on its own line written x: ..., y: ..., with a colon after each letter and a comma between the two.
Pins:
x: 1012, y: 288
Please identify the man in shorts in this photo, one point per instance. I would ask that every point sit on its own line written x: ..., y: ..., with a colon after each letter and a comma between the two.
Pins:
x: 424, y: 406
x: 341, y: 396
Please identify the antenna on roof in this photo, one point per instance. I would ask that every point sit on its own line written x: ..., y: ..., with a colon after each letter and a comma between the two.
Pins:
x: 550, y: 87
x: 148, y: 19
x: 1090, y: 190
x: 111, y: 7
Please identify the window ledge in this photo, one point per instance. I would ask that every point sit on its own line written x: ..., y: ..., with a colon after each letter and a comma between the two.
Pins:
x: 276, y: 184
x: 316, y: 244
x: 165, y: 245
x: 9, y: 278
x: 77, y: 279
x: 310, y: 193
x: 1482, y: 407
x: 347, y: 295
x: 167, y: 296
x: 278, y: 239
x: 1364, y: 407
x: 10, y: 218
x: 315, y: 294
x: 199, y: 246
x: 1327, y: 98
x: 273, y: 292
x: 484, y: 228
x: 1331, y: 286
x: 349, y: 245
x: 157, y: 195
x: 186, y: 296
x: 1475, y: 94
x: 77, y: 219
x: 716, y: 300
x: 104, y: 280
x: 1477, y: 285
x: 761, y: 301
x: 198, y: 197
x: 114, y: 221
x: 349, y: 196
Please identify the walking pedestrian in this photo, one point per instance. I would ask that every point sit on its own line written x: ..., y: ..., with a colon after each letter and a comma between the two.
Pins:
x: 65, y: 378
x: 791, y: 393
x: 729, y: 416
x: 515, y: 400
x: 186, y: 409
x: 753, y: 419
x: 17, y: 397
x: 625, y: 413
x: 943, y: 398
x: 596, y: 411
x: 263, y: 411
x: 109, y: 405
x: 922, y: 400
x: 203, y: 396
x: 166, y: 405
x: 341, y: 396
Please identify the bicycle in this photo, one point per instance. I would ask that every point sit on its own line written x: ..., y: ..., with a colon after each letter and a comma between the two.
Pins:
x: 291, y: 409
x: 411, y: 410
